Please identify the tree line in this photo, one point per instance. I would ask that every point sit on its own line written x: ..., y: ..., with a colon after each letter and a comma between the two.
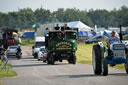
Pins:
x: 25, y: 18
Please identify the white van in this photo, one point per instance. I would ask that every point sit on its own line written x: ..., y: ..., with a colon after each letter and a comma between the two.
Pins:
x: 39, y: 42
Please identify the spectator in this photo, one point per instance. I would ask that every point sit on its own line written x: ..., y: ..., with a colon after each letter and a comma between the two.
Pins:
x: 2, y: 52
x: 65, y: 27
x: 46, y: 31
x: 57, y: 27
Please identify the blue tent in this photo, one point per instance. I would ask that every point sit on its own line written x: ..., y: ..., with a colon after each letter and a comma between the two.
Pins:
x: 82, y: 34
x: 27, y: 35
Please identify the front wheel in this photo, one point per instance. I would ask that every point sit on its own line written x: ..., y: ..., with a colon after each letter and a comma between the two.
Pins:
x: 72, y: 59
x: 97, y: 59
x: 50, y: 59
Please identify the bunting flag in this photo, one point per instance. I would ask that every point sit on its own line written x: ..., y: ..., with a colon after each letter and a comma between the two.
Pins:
x: 34, y: 26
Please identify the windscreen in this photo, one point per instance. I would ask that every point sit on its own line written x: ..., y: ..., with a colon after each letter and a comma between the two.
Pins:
x: 70, y: 35
x: 42, y: 49
x: 39, y: 44
x: 62, y: 36
x: 55, y: 36
x: 12, y: 47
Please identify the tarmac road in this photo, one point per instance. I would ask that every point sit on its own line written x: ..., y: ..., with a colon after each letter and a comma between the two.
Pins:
x: 33, y: 72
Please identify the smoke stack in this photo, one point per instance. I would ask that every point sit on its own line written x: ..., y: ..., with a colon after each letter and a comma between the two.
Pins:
x: 121, y: 37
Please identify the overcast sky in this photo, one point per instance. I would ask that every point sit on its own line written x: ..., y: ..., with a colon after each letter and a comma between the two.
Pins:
x: 53, y: 5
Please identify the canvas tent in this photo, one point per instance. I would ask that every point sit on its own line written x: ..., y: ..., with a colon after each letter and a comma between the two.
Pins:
x: 81, y: 26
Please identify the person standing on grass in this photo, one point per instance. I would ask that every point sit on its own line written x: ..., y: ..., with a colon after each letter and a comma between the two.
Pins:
x: 2, y: 53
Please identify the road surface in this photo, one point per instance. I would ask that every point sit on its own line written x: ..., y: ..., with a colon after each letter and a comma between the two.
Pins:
x: 33, y: 72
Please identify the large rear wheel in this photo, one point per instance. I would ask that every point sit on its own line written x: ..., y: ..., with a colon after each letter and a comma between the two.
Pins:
x: 104, y: 67
x: 126, y: 65
x: 97, y: 59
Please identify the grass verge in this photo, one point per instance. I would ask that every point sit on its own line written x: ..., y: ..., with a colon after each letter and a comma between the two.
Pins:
x: 27, y: 42
x: 6, y: 72
x: 84, y: 55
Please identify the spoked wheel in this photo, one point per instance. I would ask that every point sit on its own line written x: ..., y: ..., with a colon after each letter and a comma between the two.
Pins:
x: 50, y: 59
x: 72, y: 59
x: 104, y: 67
x: 97, y: 58
x: 69, y: 61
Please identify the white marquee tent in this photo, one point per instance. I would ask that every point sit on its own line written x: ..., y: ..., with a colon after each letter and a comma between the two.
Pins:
x: 81, y: 26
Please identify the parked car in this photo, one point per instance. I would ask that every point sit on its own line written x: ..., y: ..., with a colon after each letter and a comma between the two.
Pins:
x: 125, y: 37
x: 42, y: 54
x: 12, y: 50
x: 94, y: 39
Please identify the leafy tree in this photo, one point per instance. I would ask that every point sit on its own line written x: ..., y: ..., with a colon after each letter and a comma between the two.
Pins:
x: 25, y: 18
x: 42, y: 15
x: 4, y: 20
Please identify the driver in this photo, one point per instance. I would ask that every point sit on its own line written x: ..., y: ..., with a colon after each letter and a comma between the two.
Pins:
x: 19, y: 49
x: 110, y: 40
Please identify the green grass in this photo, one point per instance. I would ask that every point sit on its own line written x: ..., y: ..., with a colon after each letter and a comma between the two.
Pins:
x: 6, y: 72
x: 84, y: 55
x: 2, y: 83
x: 7, y: 67
x: 27, y: 42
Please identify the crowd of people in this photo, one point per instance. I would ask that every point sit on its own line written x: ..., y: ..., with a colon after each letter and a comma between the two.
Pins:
x: 57, y: 27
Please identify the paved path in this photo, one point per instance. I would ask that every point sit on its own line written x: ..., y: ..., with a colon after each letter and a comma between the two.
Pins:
x: 33, y: 72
